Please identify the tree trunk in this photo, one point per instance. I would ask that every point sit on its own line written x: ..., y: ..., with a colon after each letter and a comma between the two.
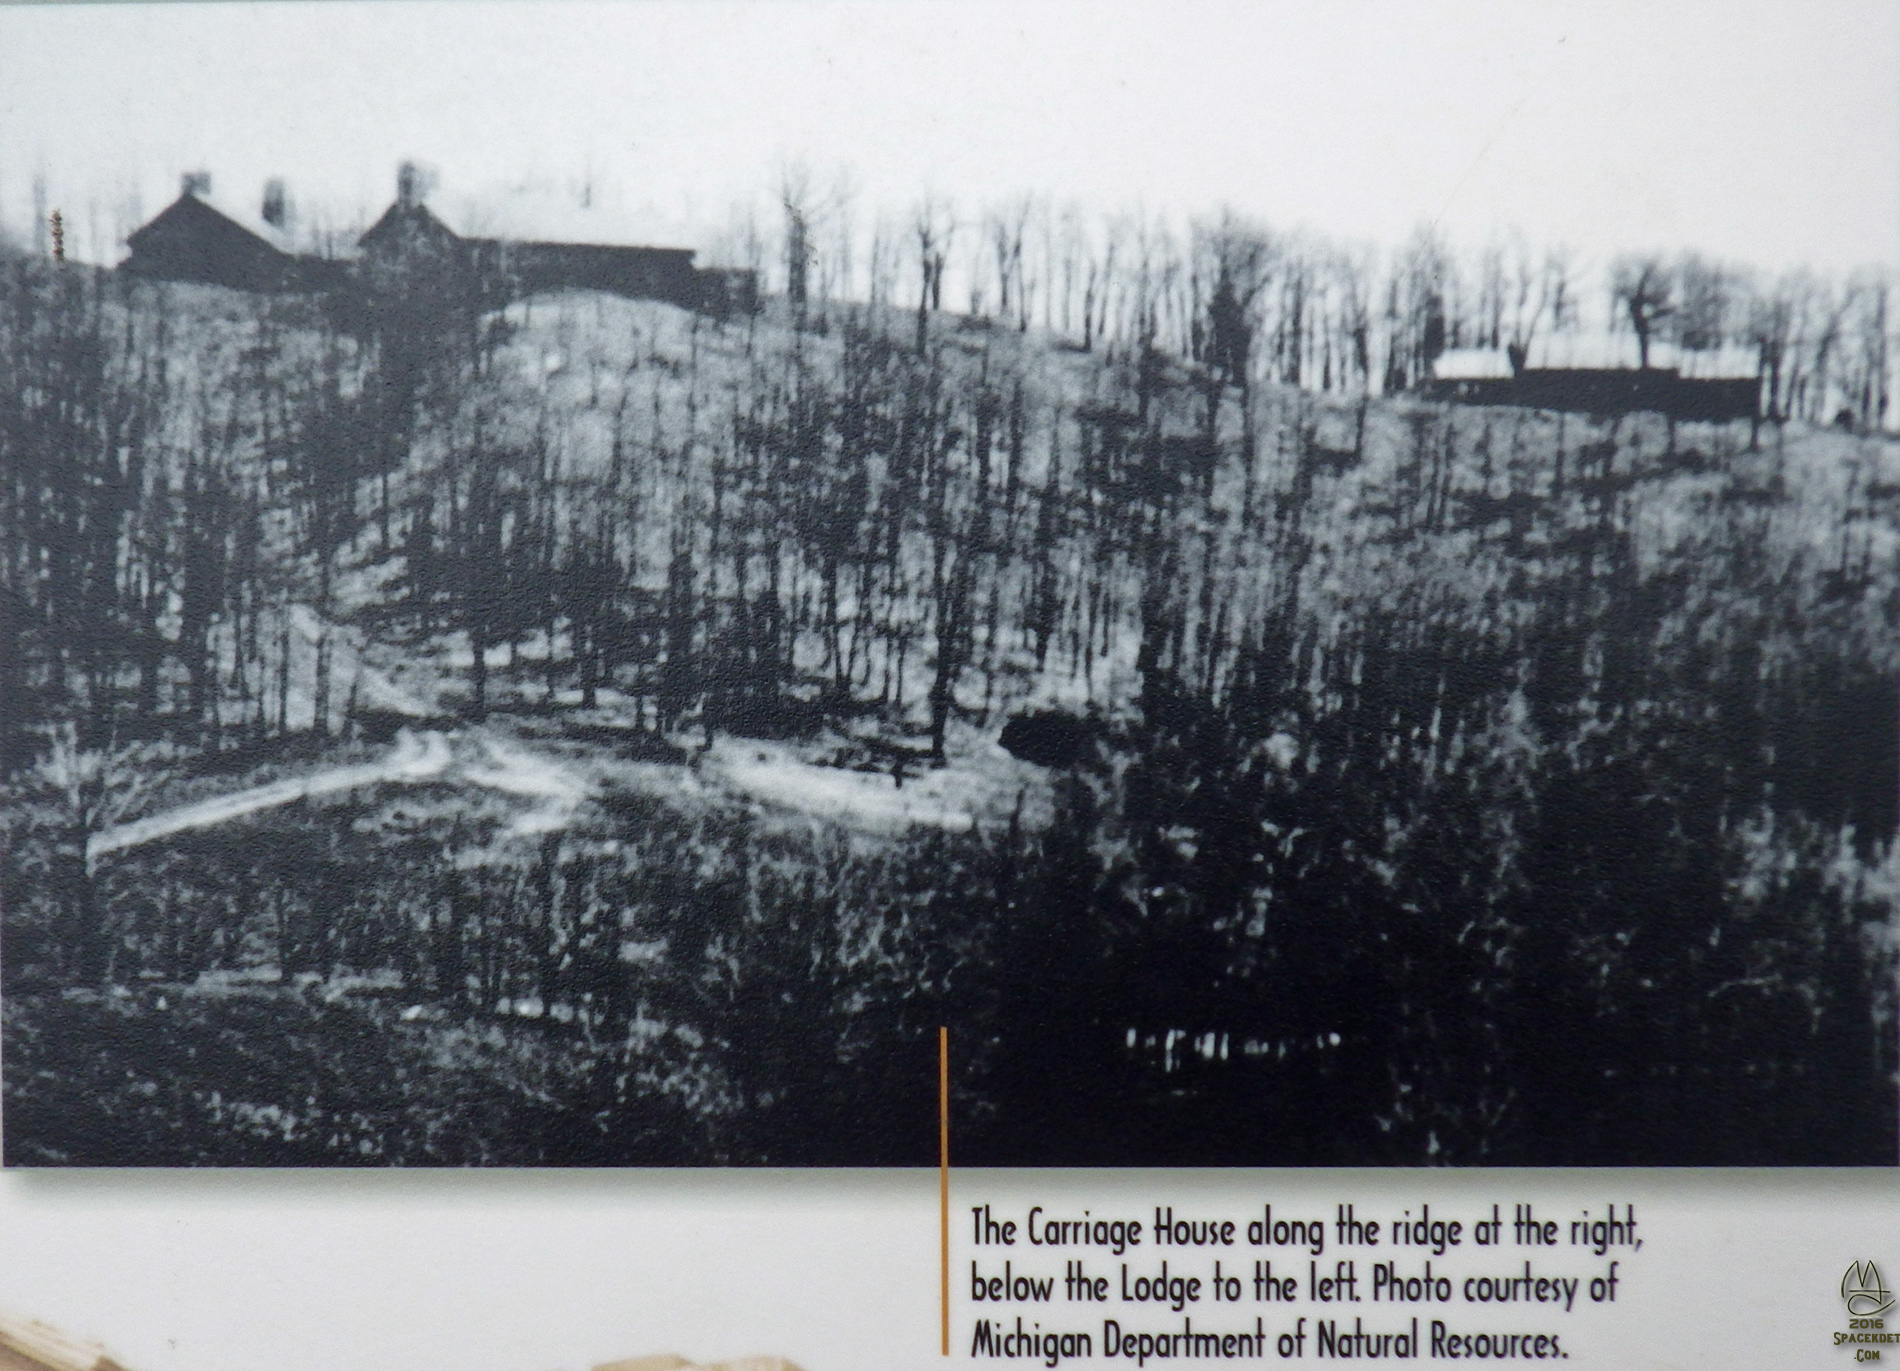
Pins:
x: 478, y: 667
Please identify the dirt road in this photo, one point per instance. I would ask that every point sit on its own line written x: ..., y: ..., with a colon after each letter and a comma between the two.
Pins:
x: 413, y: 758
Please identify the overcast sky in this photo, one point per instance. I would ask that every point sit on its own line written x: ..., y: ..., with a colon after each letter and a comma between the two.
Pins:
x: 1767, y: 132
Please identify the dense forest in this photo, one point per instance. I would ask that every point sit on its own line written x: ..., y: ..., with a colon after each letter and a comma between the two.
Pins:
x: 683, y: 716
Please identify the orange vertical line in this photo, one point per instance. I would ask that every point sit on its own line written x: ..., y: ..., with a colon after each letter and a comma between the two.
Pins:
x: 943, y: 1173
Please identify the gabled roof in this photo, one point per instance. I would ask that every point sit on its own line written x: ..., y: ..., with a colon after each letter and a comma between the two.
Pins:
x: 1620, y: 352
x: 416, y: 219
x: 197, y: 213
x: 1596, y: 352
x: 523, y: 219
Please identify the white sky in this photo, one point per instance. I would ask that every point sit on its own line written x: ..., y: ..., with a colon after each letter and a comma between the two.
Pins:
x: 1765, y: 132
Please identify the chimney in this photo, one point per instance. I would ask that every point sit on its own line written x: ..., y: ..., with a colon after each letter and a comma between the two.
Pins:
x: 413, y: 184
x: 276, y: 208
x: 195, y: 183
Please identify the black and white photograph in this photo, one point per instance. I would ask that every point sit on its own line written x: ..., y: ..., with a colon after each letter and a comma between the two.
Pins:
x: 588, y: 584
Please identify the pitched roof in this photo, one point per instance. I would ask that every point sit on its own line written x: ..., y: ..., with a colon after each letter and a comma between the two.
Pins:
x: 539, y: 212
x: 1620, y: 352
x: 399, y: 216
x: 1471, y: 364
x: 1597, y: 352
x: 198, y: 210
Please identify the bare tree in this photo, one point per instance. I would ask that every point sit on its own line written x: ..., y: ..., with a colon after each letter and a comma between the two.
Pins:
x: 795, y: 198
x: 934, y: 224
x: 1352, y: 272
x: 1870, y: 389
x: 1559, y: 292
x: 1099, y: 285
x: 1770, y: 321
x: 1832, y: 308
x: 93, y: 789
x: 1644, y: 290
x: 1240, y: 262
x: 1073, y: 249
x: 1007, y: 226
x: 838, y: 267
x: 1530, y: 299
x: 1493, y: 296
x: 1705, y: 291
x: 1423, y: 279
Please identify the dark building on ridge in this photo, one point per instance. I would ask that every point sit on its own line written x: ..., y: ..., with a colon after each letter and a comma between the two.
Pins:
x: 196, y: 239
x: 411, y: 249
x: 410, y: 240
x: 1475, y: 376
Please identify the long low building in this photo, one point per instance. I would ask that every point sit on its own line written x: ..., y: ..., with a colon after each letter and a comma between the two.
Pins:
x: 1475, y: 376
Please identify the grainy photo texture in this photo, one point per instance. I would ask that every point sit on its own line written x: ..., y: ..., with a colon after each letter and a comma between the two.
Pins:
x: 1319, y: 588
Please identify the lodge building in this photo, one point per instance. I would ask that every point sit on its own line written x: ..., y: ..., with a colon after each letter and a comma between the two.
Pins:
x: 198, y: 239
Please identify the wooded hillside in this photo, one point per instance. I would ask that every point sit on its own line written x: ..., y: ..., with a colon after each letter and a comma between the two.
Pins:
x: 1392, y: 781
